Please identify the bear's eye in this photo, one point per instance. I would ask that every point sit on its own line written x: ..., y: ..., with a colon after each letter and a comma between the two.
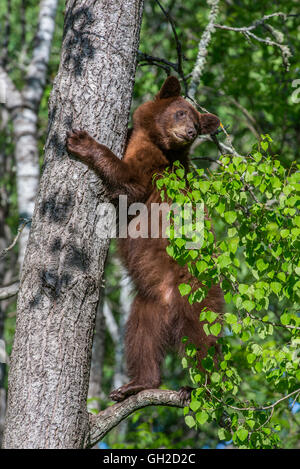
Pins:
x: 180, y: 113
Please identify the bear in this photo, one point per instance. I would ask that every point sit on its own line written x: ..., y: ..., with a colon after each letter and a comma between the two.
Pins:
x: 163, y: 132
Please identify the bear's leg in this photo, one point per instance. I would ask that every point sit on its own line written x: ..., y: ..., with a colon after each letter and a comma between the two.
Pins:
x: 145, y: 347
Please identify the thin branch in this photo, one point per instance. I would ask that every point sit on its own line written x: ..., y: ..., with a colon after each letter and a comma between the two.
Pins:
x: 9, y: 291
x: 253, y: 25
x: 284, y: 326
x: 109, y: 418
x: 21, y: 228
x: 206, y: 158
x: 254, y: 409
x: 295, y: 400
x: 13, y: 97
x: 157, y: 61
x: 178, y: 47
x: 247, y: 32
x: 251, y: 122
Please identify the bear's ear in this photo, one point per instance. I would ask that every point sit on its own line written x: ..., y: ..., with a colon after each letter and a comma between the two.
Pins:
x: 208, y: 123
x: 170, y: 89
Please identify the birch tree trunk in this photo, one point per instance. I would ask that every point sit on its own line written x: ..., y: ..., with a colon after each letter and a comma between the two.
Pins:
x: 24, y: 107
x: 61, y: 277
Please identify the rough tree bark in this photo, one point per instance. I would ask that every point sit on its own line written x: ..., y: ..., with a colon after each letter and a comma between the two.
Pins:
x: 61, y: 277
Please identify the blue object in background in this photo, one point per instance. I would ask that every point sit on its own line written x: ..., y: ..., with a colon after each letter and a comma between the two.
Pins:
x: 103, y: 445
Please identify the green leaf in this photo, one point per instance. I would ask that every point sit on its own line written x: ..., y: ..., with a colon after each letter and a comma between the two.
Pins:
x: 261, y: 265
x: 276, y: 287
x: 243, y: 288
x: 184, y: 362
x: 189, y: 420
x: 249, y: 305
x: 204, y: 186
x: 202, y: 417
x: 230, y: 318
x: 242, y: 433
x: 236, y: 328
x: 215, y: 377
x: 215, y: 329
x: 284, y: 233
x: 211, y: 316
x: 201, y: 266
x: 224, y: 260
x: 194, y: 405
x: 221, y: 434
x: 180, y: 173
x: 184, y: 289
x: 285, y: 319
x: 250, y: 423
x: 230, y: 217
x: 251, y: 357
x: 179, y: 242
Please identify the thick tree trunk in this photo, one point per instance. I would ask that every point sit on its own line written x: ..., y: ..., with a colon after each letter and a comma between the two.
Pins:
x: 59, y: 290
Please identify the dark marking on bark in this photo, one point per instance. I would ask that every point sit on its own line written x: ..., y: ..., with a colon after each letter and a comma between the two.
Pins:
x: 56, y: 245
x: 57, y: 209
x: 54, y: 283
x: 56, y: 142
x: 78, y: 45
x: 79, y: 259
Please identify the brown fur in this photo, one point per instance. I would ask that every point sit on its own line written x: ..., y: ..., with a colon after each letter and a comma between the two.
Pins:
x: 163, y: 131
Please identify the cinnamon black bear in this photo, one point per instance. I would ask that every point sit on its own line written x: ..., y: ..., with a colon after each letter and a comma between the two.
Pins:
x: 163, y: 131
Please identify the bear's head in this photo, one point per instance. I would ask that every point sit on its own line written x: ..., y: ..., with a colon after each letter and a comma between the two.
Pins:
x: 171, y: 121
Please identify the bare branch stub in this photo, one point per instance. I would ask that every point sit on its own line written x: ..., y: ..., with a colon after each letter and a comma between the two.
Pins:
x: 5, y: 251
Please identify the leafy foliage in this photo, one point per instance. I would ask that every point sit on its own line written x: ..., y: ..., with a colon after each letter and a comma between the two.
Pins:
x: 255, y: 202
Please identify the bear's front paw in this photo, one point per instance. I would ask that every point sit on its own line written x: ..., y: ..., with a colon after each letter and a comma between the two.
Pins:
x: 81, y: 144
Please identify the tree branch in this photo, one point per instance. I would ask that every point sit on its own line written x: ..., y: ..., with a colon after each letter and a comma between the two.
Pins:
x: 13, y: 97
x: 109, y: 418
x: 21, y: 228
x: 178, y: 47
x: 9, y: 291
x: 202, y: 49
x: 145, y: 59
x: 253, y: 25
x: 247, y: 31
